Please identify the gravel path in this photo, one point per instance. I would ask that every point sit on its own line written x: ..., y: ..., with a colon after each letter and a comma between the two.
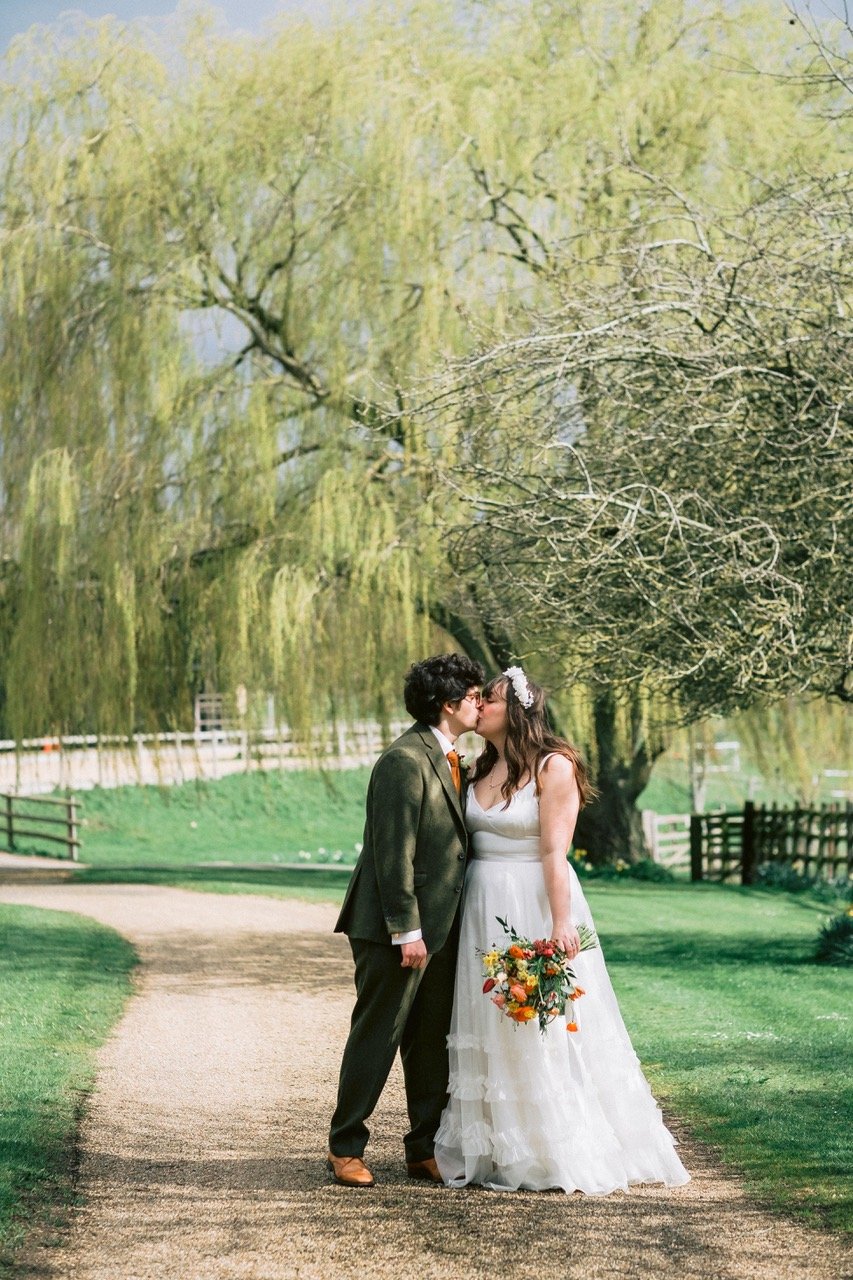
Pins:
x: 202, y: 1149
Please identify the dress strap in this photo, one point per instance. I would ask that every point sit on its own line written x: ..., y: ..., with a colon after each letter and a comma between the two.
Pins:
x: 541, y: 766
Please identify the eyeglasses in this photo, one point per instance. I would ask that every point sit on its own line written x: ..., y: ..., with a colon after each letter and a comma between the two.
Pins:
x: 472, y: 697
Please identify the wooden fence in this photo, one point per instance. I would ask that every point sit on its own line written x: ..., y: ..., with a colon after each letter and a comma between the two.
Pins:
x: 815, y: 842
x: 19, y: 823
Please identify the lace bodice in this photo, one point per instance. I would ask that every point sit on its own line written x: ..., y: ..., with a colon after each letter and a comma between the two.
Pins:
x: 510, y: 833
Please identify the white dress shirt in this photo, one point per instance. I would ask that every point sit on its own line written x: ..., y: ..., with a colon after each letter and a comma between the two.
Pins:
x: 415, y: 935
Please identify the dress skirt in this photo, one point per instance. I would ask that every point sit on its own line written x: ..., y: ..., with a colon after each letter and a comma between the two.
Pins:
x: 528, y: 1110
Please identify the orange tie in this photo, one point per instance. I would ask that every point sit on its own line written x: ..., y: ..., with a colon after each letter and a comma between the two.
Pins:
x: 455, y: 771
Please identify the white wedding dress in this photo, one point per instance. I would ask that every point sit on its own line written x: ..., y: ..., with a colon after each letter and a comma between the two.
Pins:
x: 568, y: 1110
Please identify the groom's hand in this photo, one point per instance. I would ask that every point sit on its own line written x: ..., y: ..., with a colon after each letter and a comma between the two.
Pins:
x: 415, y: 955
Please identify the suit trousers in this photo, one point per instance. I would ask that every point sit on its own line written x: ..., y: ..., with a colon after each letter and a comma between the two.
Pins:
x: 396, y: 1008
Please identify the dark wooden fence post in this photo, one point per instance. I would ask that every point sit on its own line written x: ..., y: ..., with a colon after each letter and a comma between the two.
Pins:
x: 696, y: 846
x: 748, y: 852
x: 10, y: 824
x: 71, y: 819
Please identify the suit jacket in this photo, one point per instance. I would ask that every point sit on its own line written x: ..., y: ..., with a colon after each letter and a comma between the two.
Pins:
x: 412, y: 866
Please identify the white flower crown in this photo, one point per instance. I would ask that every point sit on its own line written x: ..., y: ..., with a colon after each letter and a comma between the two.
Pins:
x: 518, y: 680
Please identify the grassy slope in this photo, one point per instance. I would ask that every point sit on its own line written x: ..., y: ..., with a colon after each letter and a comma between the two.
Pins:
x: 267, y: 817
x: 241, y: 818
x: 63, y: 983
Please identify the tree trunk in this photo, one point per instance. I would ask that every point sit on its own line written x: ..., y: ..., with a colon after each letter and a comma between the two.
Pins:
x: 611, y: 827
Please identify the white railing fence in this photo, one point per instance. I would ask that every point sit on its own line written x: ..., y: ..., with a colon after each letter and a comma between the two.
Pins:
x: 80, y: 762
x: 668, y: 837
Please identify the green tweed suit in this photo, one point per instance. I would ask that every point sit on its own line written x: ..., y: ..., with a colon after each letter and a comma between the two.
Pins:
x: 409, y: 876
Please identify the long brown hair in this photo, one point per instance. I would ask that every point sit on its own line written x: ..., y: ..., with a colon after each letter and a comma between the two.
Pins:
x: 529, y: 739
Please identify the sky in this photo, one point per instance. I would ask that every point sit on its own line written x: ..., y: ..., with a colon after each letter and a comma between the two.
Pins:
x: 249, y: 15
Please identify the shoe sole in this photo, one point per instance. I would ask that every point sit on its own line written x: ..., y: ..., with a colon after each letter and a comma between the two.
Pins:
x: 342, y: 1182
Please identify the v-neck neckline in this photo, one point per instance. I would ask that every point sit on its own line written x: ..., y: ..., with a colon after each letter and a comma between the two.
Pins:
x: 500, y: 802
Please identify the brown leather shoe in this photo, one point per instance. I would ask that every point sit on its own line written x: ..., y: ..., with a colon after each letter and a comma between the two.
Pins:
x: 426, y: 1170
x: 349, y: 1171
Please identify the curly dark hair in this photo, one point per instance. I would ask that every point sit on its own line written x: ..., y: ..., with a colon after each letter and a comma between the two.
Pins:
x: 444, y: 678
x: 529, y: 739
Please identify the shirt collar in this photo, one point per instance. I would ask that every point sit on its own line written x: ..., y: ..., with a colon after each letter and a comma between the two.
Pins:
x: 446, y: 744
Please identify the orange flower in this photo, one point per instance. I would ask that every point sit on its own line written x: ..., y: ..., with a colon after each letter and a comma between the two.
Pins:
x: 524, y: 1015
x: 518, y: 992
x: 516, y: 952
x: 571, y: 1026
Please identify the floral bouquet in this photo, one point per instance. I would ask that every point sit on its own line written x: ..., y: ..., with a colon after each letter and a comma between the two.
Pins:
x: 533, y: 979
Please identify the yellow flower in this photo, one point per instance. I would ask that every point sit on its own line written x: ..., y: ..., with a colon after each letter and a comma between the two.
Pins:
x: 491, y: 958
x: 530, y: 983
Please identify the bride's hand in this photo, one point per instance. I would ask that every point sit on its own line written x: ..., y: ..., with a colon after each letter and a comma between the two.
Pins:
x: 567, y: 937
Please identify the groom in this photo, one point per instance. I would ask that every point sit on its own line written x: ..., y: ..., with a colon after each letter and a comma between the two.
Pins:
x: 401, y: 912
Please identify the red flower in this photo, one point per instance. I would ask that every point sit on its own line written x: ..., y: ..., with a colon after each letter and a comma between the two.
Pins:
x: 488, y: 984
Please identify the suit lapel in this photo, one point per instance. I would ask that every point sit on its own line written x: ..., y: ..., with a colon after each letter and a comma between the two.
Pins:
x: 442, y: 768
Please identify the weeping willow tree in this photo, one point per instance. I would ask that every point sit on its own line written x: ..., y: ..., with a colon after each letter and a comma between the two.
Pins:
x: 806, y: 746
x: 225, y: 264
x: 212, y: 260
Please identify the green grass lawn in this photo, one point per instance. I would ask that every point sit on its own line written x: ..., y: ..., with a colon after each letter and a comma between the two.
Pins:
x: 740, y: 1032
x: 63, y: 983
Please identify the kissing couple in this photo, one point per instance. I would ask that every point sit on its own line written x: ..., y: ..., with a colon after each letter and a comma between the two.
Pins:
x: 445, y: 854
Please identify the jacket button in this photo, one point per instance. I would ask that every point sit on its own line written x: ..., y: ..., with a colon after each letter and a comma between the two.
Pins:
x: 459, y: 888
x: 461, y: 857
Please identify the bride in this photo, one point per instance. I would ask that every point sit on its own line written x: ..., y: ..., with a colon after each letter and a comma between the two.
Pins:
x: 526, y: 1110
